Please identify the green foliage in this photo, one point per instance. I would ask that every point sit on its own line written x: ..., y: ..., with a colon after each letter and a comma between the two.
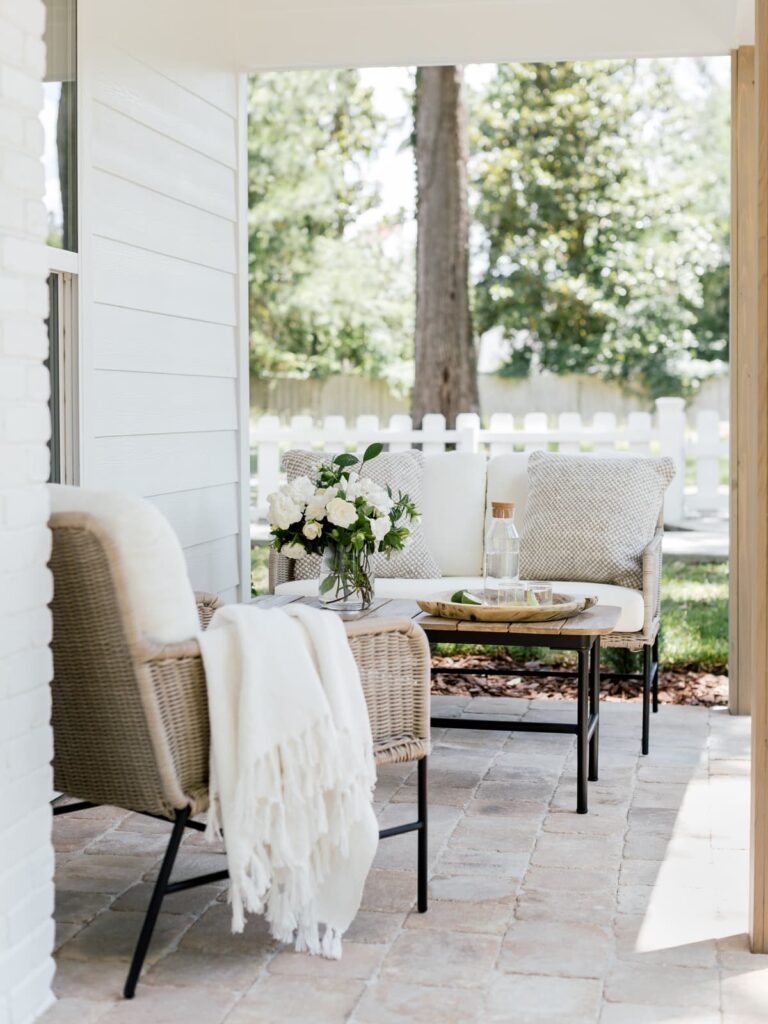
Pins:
x: 602, y: 197
x: 327, y: 295
x: 601, y: 209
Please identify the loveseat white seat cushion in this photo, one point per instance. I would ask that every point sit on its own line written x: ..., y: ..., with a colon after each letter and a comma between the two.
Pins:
x: 630, y: 601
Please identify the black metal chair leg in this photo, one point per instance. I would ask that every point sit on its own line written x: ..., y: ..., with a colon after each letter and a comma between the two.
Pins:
x: 153, y: 910
x: 656, y: 674
x: 646, y: 697
x: 594, y: 709
x: 422, y: 867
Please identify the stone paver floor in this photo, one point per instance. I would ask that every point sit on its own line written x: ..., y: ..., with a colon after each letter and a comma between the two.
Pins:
x: 634, y: 913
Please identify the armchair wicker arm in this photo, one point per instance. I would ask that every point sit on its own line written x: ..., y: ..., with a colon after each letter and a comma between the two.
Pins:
x: 176, y: 708
x: 652, y: 581
x: 280, y: 569
x: 393, y: 657
x: 206, y: 606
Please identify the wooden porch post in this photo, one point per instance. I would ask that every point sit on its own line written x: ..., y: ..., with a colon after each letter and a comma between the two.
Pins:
x: 743, y: 637
x: 758, y: 577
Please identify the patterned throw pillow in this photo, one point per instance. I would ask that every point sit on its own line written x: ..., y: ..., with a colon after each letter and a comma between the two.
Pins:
x: 589, y: 518
x: 402, y: 471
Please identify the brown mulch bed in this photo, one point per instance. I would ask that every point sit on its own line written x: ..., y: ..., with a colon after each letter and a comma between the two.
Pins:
x: 680, y: 686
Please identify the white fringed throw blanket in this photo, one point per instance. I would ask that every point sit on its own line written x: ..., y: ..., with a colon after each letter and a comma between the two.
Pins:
x: 292, y: 770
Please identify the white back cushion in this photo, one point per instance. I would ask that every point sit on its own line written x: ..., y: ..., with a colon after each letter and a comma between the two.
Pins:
x: 453, y: 510
x: 508, y: 481
x: 154, y: 569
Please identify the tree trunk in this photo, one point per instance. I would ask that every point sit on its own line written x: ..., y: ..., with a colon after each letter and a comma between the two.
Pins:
x: 446, y: 369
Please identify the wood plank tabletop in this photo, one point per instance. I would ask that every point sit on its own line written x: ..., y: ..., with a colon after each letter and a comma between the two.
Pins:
x: 597, y: 621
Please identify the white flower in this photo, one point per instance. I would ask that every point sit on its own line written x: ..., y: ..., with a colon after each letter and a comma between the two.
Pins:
x: 316, y: 506
x: 341, y: 513
x: 283, y: 510
x: 380, y: 528
x: 293, y: 550
x: 301, y: 490
x: 373, y: 493
x: 312, y: 530
x: 383, y: 504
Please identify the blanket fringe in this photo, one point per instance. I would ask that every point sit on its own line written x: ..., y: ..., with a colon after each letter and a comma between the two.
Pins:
x: 280, y: 860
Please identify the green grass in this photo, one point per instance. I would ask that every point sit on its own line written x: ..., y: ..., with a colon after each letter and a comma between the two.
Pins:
x: 694, y: 617
x: 260, y: 569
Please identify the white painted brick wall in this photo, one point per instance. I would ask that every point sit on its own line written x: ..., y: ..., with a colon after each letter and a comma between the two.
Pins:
x: 26, y: 858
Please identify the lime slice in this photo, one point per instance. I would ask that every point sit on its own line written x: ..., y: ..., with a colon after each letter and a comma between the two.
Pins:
x: 530, y: 599
x: 463, y: 597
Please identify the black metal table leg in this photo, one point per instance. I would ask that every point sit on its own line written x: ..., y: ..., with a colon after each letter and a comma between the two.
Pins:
x: 594, y: 709
x: 586, y: 726
x: 582, y: 733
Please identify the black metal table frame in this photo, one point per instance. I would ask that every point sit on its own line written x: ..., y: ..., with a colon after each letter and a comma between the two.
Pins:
x: 586, y: 728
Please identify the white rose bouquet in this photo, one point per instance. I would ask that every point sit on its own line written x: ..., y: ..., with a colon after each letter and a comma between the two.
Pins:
x: 344, y: 516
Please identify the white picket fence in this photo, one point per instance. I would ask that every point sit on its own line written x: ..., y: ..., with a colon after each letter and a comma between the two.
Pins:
x: 668, y: 432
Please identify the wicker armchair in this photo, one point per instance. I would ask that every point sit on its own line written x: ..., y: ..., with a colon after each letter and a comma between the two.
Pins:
x: 130, y: 717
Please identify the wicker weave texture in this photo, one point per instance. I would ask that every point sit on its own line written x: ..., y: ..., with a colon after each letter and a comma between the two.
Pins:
x: 206, y: 606
x: 394, y: 663
x: 280, y: 570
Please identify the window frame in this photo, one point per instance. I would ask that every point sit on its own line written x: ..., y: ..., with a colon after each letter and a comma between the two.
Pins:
x: 64, y: 367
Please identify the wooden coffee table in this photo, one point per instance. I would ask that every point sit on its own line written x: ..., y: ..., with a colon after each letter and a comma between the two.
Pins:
x: 581, y: 634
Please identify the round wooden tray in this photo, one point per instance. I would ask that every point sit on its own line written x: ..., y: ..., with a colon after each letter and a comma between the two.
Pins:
x: 563, y: 607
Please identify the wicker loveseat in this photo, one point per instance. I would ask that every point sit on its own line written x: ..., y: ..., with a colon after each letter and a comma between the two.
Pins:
x: 130, y: 716
x: 459, y: 488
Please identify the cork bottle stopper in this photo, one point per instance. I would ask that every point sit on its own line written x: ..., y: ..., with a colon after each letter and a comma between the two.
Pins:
x: 503, y: 509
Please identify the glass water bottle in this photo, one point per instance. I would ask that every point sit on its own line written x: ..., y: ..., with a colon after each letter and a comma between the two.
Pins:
x: 502, y: 555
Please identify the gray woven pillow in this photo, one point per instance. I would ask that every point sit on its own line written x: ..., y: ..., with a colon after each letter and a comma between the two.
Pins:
x: 589, y: 518
x: 402, y: 471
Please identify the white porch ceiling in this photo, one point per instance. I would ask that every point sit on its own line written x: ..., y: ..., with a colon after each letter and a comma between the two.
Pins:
x: 299, y: 33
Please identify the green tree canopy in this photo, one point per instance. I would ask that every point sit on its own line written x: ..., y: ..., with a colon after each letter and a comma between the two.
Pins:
x: 326, y: 295
x: 602, y: 198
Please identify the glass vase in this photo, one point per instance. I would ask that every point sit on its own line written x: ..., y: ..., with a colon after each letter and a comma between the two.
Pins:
x: 346, y: 580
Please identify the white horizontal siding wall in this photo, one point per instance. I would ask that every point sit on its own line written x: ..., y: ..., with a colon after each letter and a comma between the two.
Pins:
x: 163, y: 395
x: 26, y: 782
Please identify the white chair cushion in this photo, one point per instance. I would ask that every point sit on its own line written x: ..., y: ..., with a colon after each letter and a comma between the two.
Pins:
x: 630, y: 601
x: 453, y: 511
x: 152, y: 561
